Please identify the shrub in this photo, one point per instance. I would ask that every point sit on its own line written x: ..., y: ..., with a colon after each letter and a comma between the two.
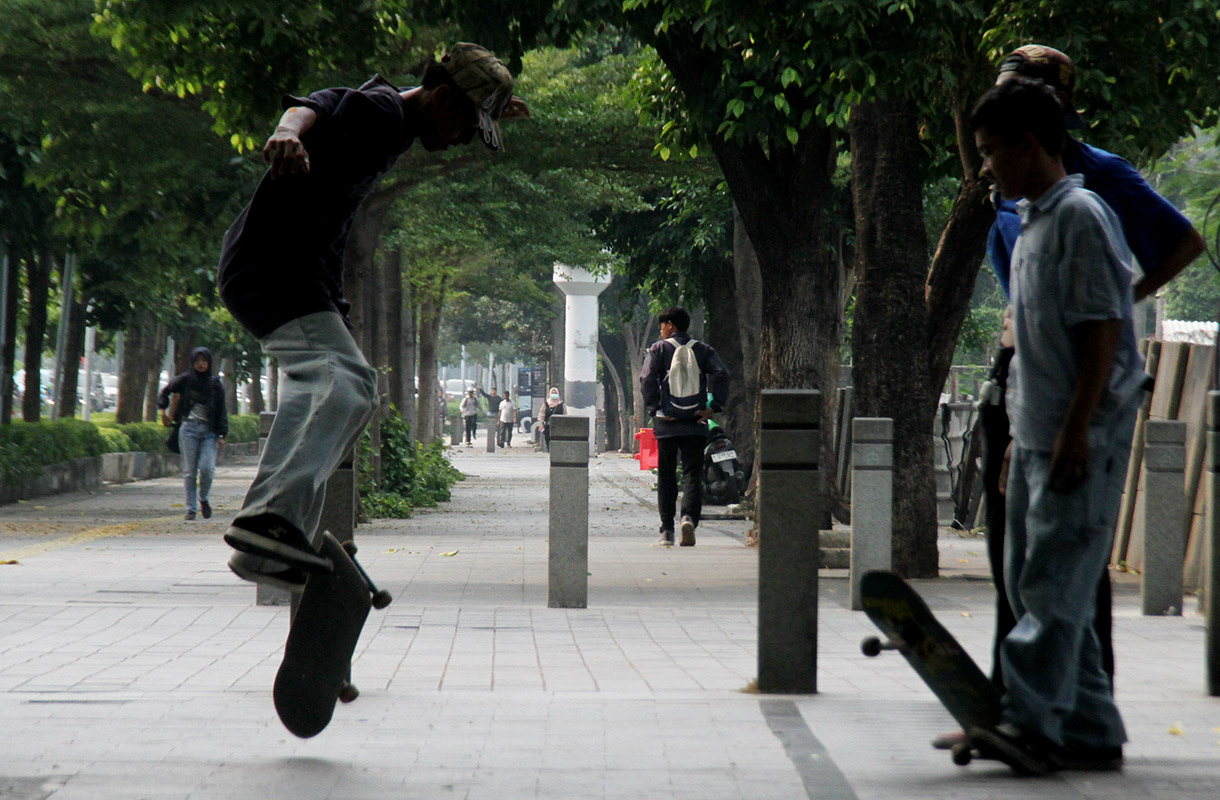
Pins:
x: 116, y: 440
x: 242, y: 428
x: 147, y: 436
x: 412, y: 474
x: 27, y: 447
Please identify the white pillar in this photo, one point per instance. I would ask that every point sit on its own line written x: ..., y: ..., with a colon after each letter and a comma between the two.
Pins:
x: 580, y: 290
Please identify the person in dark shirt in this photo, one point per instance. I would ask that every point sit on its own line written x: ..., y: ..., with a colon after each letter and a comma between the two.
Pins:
x: 281, y: 276
x: 195, y: 401
x: 681, y: 438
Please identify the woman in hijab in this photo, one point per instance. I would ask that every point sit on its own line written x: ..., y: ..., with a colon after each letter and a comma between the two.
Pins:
x: 553, y: 406
x: 198, y: 408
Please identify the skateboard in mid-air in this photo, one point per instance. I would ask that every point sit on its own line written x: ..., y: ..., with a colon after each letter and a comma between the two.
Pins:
x: 911, y: 629
x: 326, y: 624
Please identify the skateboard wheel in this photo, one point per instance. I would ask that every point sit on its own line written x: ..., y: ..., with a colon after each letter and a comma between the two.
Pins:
x: 349, y: 547
x: 961, y: 753
x: 871, y: 646
x: 381, y: 599
x: 348, y: 693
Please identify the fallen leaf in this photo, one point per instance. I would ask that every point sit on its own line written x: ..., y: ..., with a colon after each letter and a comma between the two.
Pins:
x: 1176, y: 729
x: 965, y: 613
x: 963, y: 561
x: 9, y: 563
x: 451, y: 553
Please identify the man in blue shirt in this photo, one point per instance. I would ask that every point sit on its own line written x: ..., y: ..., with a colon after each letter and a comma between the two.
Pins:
x: 1162, y: 240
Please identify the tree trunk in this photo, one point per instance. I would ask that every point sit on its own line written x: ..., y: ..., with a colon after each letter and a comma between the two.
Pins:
x: 391, y: 314
x: 747, y: 286
x: 228, y: 365
x: 153, y: 385
x: 256, y: 388
x: 74, y: 350
x: 637, y: 335
x: 9, y: 335
x: 429, y: 333
x: 958, y: 256
x: 358, y: 259
x: 273, y: 384
x: 406, y: 378
x: 783, y: 201
x: 38, y: 284
x: 622, y: 438
x: 889, y: 331
x: 139, y: 349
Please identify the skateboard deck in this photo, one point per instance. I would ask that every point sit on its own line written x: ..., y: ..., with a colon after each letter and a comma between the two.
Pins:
x: 318, y: 654
x: 911, y: 629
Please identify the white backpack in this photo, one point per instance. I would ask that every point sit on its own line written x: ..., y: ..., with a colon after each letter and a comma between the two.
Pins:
x: 681, y: 395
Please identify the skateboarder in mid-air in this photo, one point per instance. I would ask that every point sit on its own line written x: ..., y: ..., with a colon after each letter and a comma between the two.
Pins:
x: 281, y: 276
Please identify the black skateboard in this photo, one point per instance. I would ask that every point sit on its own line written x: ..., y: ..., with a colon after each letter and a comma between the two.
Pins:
x: 911, y: 629
x: 326, y: 625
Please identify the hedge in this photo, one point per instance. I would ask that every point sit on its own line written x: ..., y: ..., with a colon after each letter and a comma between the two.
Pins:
x: 27, y: 447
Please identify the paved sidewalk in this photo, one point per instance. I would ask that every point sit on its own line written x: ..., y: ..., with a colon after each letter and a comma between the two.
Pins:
x: 134, y: 665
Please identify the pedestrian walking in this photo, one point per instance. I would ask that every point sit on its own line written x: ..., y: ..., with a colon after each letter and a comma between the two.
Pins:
x: 470, y: 416
x: 1075, y: 384
x: 552, y: 406
x: 193, y: 403
x: 679, y: 375
x: 507, y: 415
x: 281, y: 276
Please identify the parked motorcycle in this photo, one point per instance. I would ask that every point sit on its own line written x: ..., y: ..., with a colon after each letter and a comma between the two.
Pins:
x: 723, y: 479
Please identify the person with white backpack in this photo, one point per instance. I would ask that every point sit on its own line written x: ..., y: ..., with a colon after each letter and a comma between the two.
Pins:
x: 679, y: 373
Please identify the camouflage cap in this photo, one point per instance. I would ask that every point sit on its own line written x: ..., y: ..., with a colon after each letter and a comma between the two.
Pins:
x: 485, y: 80
x: 1052, y: 67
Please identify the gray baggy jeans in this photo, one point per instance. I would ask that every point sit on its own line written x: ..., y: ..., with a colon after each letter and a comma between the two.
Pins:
x: 327, y: 393
x: 1057, y: 544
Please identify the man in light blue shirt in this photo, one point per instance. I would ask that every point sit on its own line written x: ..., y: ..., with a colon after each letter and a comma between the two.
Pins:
x: 1073, y: 391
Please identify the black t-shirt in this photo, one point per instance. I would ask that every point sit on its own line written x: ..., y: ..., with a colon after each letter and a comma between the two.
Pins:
x: 283, y: 256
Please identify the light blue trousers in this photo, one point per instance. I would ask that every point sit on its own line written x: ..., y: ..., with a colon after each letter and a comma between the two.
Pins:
x: 327, y: 393
x: 1057, y: 544
x: 197, y: 445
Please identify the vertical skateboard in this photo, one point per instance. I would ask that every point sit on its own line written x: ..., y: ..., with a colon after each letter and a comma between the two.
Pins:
x: 911, y: 629
x: 316, y: 669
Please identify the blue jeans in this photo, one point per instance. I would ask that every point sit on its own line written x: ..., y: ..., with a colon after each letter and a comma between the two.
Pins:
x: 327, y: 394
x: 1057, y: 544
x: 197, y: 441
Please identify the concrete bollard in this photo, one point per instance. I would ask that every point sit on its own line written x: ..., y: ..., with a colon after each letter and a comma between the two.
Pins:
x: 1164, y: 517
x: 339, y: 505
x: 568, y: 560
x: 456, y: 431
x: 338, y: 517
x: 791, y: 494
x: 1210, y: 599
x: 872, y: 499
x: 491, y: 436
x: 268, y: 595
x: 265, y: 420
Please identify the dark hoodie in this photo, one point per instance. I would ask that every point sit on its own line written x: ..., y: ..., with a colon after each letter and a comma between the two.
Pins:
x: 198, y: 387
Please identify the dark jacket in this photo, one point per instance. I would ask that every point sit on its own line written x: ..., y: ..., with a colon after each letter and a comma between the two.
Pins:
x: 195, y: 388
x: 713, y: 377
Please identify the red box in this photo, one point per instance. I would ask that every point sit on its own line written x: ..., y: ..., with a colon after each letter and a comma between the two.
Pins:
x: 648, y: 449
